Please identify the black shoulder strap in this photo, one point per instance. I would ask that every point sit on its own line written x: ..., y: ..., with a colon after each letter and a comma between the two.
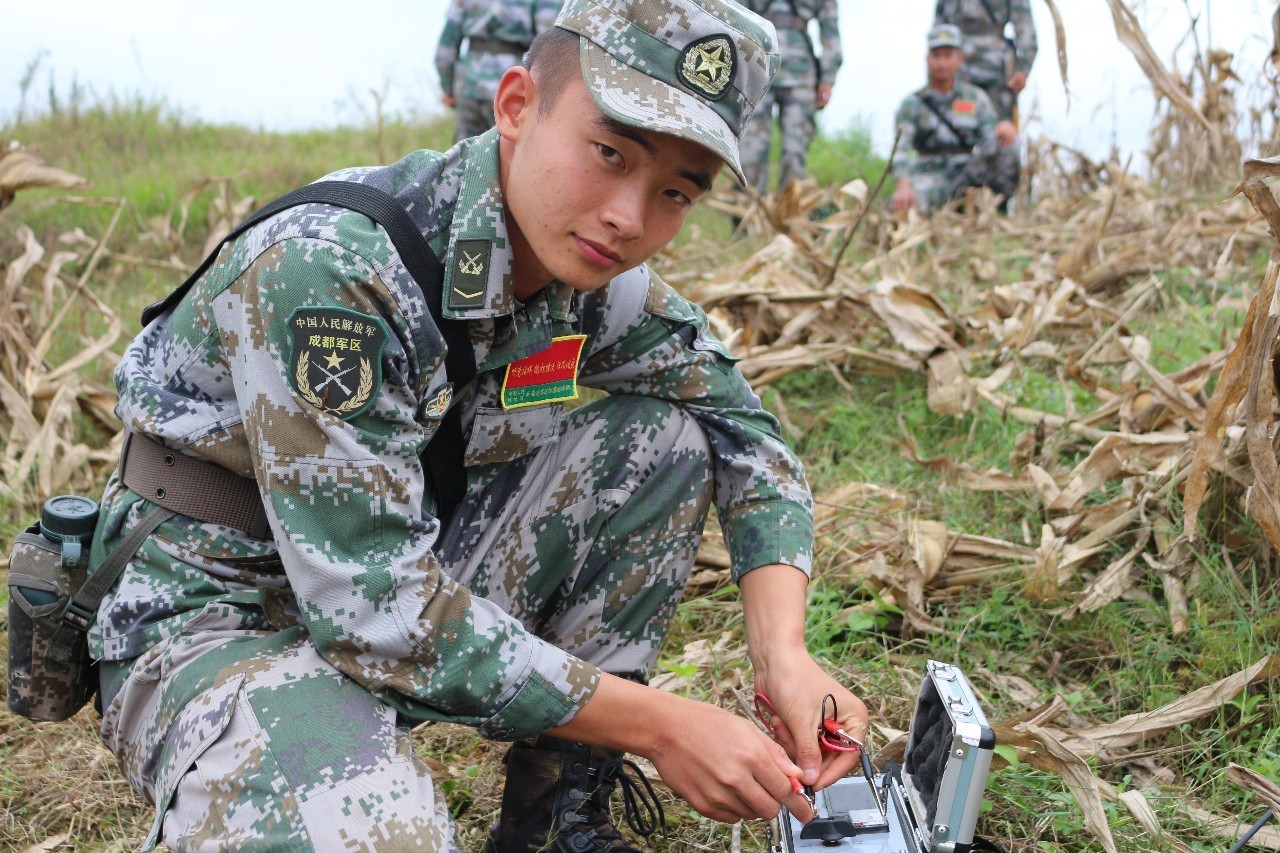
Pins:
x: 933, y: 108
x: 445, y: 452
x: 992, y: 15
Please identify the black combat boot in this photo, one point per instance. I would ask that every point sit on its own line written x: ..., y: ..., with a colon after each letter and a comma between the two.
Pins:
x: 556, y: 800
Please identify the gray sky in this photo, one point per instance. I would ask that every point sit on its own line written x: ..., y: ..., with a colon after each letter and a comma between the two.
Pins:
x: 288, y: 64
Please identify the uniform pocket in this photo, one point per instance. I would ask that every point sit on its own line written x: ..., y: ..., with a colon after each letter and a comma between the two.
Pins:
x: 194, y: 729
x: 498, y: 435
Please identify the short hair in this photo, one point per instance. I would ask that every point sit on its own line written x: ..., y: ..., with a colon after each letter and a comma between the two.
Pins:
x: 553, y: 61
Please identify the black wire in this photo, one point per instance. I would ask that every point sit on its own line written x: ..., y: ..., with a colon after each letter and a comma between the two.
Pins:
x: 1253, y: 830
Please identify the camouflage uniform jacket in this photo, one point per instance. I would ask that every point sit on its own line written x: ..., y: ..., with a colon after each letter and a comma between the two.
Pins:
x: 512, y: 21
x: 350, y: 509
x: 985, y: 47
x: 928, y: 144
x: 800, y: 65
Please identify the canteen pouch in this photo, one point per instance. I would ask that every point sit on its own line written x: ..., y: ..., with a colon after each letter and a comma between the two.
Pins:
x: 40, y: 587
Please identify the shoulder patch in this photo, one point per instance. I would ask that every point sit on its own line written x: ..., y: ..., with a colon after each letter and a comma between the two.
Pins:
x: 336, y: 363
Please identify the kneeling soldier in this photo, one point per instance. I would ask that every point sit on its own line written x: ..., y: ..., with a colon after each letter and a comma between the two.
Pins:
x: 261, y: 676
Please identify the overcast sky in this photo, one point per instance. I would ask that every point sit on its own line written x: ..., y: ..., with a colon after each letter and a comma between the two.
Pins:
x: 289, y: 64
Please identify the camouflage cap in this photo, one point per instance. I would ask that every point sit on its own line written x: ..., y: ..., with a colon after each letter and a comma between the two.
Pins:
x: 945, y: 35
x: 691, y: 68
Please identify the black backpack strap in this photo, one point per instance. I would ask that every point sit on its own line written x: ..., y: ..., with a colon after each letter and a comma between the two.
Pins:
x: 933, y: 108
x: 991, y: 13
x: 444, y: 453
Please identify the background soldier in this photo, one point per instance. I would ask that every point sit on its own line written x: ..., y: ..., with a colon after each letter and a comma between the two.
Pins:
x: 952, y: 137
x: 497, y: 33
x: 802, y: 87
x: 999, y: 49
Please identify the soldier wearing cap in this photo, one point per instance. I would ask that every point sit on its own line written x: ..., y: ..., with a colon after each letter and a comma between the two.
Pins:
x: 260, y: 689
x: 999, y: 46
x: 951, y: 137
x: 496, y: 34
x: 999, y: 49
x: 802, y: 87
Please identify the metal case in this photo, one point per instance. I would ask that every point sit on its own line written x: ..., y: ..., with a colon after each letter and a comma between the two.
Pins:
x: 931, y: 803
x: 948, y: 755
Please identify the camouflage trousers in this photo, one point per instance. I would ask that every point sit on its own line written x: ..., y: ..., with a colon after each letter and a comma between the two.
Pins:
x: 938, y: 183
x: 474, y: 85
x: 246, y: 739
x: 795, y: 108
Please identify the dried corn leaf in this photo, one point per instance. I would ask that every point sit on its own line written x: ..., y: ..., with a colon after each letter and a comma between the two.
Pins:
x: 915, y: 318
x: 1042, y: 749
x: 1138, y: 807
x: 1230, y: 827
x: 1264, y: 788
x: 1134, y: 728
x: 21, y: 170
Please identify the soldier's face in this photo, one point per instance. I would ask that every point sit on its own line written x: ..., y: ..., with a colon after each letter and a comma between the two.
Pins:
x: 588, y: 198
x: 944, y: 65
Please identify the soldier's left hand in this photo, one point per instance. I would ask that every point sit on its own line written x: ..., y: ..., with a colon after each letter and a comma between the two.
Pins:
x: 824, y: 95
x: 797, y: 693
x: 1018, y: 82
x: 1006, y: 133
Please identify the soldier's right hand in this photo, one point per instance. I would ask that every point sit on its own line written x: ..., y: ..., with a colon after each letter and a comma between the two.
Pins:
x: 725, y: 767
x: 904, y: 197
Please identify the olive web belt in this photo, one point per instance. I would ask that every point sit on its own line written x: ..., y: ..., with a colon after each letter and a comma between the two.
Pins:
x: 192, y: 487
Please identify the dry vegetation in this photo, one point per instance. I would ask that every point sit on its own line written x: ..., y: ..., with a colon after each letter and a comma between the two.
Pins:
x: 1101, y: 369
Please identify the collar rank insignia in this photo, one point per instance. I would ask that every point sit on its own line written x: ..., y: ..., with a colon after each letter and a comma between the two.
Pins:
x: 549, y: 376
x: 336, y: 363
x: 470, y: 280
x: 708, y: 66
x: 964, y: 107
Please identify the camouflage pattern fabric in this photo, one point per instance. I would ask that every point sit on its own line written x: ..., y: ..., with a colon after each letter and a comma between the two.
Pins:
x: 39, y: 587
x: 384, y: 615
x: 934, y: 158
x: 989, y: 59
x: 791, y: 102
x: 700, y: 80
x: 793, y: 110
x: 471, y: 77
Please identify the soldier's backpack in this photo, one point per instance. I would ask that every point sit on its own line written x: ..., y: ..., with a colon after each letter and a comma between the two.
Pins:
x: 52, y: 604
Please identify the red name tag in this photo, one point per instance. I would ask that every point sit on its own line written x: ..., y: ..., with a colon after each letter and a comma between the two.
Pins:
x: 964, y: 107
x: 550, y: 376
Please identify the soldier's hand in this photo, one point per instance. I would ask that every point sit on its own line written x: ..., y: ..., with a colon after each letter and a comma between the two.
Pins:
x: 1006, y: 133
x: 824, y: 95
x: 904, y: 197
x: 1018, y: 82
x: 726, y: 767
x: 449, y: 101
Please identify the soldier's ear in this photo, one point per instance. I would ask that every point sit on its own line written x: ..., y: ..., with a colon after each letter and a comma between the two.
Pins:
x: 514, y: 105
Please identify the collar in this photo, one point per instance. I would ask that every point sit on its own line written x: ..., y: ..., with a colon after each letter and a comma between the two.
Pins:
x: 478, y: 263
